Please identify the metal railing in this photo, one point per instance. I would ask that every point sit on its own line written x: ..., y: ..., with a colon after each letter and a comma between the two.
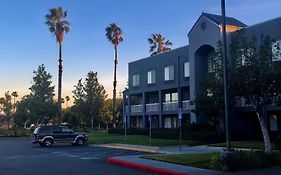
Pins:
x: 170, y: 106
x: 186, y: 105
x: 136, y: 108
x: 152, y: 107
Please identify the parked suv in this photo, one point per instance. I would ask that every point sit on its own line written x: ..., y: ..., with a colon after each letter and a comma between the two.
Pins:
x: 49, y: 135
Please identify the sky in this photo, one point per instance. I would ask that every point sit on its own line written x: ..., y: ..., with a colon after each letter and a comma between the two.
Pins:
x: 26, y: 43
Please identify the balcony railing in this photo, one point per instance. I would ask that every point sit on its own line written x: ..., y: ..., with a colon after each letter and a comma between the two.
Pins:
x: 126, y: 109
x: 136, y: 108
x: 186, y: 105
x: 170, y: 106
x: 153, y: 107
x: 242, y: 102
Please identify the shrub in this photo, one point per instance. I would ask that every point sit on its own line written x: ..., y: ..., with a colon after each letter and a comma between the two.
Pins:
x: 14, y: 132
x: 247, y: 160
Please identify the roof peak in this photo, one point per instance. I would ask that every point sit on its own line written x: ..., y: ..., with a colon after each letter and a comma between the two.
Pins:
x: 228, y: 20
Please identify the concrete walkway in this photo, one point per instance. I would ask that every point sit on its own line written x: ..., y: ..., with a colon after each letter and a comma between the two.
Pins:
x: 165, y: 150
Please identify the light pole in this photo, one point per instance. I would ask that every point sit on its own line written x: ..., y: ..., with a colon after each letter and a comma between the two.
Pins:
x: 225, y: 75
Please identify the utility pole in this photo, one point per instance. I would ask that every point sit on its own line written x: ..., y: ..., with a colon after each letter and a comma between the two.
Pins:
x: 225, y: 75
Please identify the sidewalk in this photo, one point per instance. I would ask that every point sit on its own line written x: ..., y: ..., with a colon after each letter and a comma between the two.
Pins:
x: 165, y: 150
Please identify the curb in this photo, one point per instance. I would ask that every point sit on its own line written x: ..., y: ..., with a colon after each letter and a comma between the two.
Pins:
x: 131, y: 149
x: 125, y: 163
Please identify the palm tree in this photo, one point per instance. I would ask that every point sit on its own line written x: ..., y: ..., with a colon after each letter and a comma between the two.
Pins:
x: 15, y: 94
x: 58, y: 26
x: 158, y: 44
x: 67, y: 99
x: 114, y: 35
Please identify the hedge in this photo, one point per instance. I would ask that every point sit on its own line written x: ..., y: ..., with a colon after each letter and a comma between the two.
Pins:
x: 169, y: 133
x: 14, y: 132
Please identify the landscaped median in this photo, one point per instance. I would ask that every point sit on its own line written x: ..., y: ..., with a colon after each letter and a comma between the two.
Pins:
x: 244, y: 160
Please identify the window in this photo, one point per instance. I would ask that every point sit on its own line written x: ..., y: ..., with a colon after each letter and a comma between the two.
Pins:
x: 273, y: 123
x: 151, y: 77
x: 276, y: 50
x: 170, y: 97
x: 186, y: 69
x: 136, y: 80
x: 169, y: 73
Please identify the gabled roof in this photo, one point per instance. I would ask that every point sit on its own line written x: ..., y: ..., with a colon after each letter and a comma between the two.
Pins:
x: 217, y: 19
x: 228, y: 20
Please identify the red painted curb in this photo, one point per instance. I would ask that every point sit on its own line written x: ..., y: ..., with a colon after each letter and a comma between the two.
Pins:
x: 143, y: 167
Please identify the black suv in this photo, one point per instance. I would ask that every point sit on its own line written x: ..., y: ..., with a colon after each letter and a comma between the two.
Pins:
x: 48, y: 135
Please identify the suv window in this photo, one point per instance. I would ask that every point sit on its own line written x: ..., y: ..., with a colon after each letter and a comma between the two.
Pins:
x: 65, y: 129
x: 57, y: 129
x: 42, y: 130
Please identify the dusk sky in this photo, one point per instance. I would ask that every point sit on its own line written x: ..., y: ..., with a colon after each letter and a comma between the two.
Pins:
x: 25, y: 41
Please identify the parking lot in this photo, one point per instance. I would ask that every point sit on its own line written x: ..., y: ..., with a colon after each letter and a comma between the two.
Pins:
x: 19, y: 156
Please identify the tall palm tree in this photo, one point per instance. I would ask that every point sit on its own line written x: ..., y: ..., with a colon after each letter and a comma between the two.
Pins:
x: 15, y: 95
x: 114, y: 35
x: 158, y: 44
x: 57, y: 24
x: 67, y: 99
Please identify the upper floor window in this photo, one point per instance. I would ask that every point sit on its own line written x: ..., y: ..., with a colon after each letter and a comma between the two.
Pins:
x: 151, y: 77
x: 186, y: 69
x: 276, y: 50
x: 170, y: 97
x: 136, y: 80
x: 169, y: 73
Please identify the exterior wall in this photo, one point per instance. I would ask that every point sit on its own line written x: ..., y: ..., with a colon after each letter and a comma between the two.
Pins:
x: 158, y: 62
x: 197, y: 38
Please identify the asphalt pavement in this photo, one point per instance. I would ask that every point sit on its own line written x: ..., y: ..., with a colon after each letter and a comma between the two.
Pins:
x: 20, y: 156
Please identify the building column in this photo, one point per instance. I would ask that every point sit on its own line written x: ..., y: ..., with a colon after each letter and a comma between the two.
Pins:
x: 160, y: 109
x: 129, y: 111
x: 143, y: 110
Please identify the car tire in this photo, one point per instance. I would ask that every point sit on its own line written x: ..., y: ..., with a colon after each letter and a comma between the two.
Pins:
x: 48, y: 142
x: 80, y: 141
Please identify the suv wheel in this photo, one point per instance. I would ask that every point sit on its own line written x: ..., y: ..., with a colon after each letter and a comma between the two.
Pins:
x: 80, y: 141
x: 48, y: 142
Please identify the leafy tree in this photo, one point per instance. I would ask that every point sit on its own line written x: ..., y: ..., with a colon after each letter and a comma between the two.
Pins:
x: 114, y: 35
x: 15, y: 95
x: 95, y: 95
x: 6, y: 104
x: 58, y: 26
x: 158, y: 44
x: 38, y: 106
x: 67, y: 98
x: 256, y: 77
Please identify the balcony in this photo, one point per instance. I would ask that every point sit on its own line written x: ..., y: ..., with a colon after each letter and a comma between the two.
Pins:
x: 153, y: 107
x: 170, y: 106
x: 186, y: 105
x: 136, y: 108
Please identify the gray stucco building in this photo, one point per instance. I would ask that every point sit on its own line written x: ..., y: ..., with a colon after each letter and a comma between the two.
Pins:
x: 160, y: 85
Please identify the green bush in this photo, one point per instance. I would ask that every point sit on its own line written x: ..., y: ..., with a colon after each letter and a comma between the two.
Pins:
x: 131, y: 131
x: 247, y: 160
x: 277, y: 142
x: 14, y: 132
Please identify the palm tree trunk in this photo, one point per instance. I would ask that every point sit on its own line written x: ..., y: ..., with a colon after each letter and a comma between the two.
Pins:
x: 59, y: 83
x: 114, y: 87
x: 267, y: 143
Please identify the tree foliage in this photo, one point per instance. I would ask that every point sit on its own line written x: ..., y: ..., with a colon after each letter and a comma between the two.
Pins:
x: 158, y: 44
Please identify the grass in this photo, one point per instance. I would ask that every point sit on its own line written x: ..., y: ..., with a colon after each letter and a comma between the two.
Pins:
x: 244, y: 144
x: 194, y: 160
x: 104, y: 138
